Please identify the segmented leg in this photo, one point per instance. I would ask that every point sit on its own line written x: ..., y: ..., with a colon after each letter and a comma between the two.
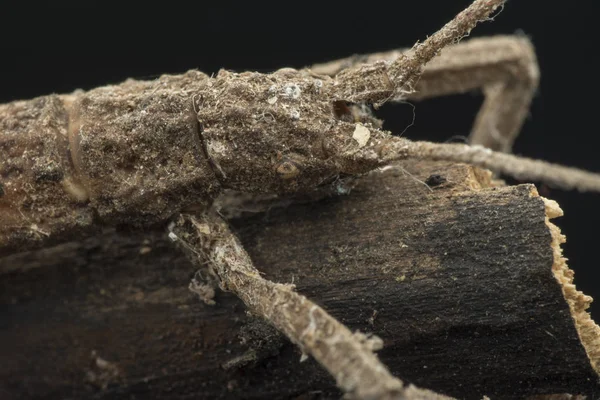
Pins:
x: 348, y: 356
x: 504, y: 67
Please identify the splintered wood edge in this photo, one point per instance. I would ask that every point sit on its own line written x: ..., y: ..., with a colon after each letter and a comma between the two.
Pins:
x: 587, y: 329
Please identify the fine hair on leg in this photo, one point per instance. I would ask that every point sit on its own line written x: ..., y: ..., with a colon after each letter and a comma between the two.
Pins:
x: 348, y: 357
x: 520, y: 168
x: 382, y: 81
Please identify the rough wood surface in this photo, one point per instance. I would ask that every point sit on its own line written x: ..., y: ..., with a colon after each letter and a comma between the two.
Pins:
x: 457, y: 280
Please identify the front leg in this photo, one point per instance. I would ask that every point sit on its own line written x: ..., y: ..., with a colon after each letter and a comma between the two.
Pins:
x: 504, y: 67
x: 347, y: 356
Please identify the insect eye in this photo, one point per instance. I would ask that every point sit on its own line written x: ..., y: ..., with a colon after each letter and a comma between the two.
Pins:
x: 287, y: 169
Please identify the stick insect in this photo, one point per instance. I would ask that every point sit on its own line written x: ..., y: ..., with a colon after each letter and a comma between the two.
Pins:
x: 160, y: 152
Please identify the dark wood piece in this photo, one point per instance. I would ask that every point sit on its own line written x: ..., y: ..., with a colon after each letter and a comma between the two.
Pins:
x: 456, y: 280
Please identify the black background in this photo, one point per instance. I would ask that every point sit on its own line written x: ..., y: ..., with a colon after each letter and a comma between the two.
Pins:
x: 69, y: 45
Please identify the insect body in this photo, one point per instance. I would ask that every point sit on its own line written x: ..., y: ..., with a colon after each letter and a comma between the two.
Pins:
x: 137, y: 153
x: 140, y: 153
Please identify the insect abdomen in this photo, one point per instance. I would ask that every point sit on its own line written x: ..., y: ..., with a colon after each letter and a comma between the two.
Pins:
x: 127, y: 154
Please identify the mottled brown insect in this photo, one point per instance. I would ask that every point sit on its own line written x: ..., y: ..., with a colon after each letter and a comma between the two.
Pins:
x: 150, y: 152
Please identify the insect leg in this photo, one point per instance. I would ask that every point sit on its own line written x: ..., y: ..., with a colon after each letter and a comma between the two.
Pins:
x: 381, y: 81
x: 348, y: 356
x: 504, y: 67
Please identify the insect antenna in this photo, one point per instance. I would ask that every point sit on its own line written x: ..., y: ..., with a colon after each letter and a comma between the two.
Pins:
x: 381, y: 81
x: 520, y: 168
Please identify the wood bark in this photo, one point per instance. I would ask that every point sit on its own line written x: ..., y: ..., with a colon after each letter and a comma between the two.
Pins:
x: 462, y: 281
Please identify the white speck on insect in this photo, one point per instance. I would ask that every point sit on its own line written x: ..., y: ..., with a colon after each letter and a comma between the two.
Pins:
x: 361, y: 135
x: 291, y: 91
x: 216, y: 147
x: 318, y: 85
